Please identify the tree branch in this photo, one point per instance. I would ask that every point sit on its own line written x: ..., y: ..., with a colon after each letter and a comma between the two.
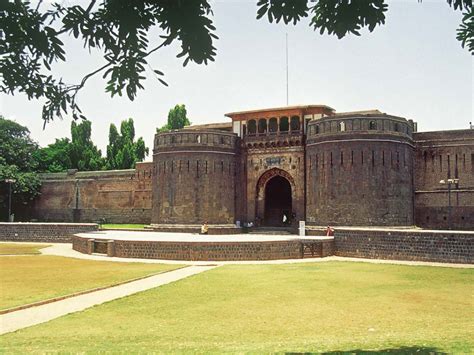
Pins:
x: 38, y: 6
x: 78, y: 87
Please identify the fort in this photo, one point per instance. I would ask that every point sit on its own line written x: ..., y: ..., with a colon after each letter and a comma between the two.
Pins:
x: 276, y: 167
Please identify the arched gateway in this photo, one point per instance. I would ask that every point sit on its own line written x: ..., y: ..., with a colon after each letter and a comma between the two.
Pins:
x: 275, y: 192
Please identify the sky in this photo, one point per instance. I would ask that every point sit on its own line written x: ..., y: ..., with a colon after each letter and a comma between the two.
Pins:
x: 412, y: 66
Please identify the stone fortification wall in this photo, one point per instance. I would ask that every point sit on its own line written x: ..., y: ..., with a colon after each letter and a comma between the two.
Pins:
x: 120, y: 196
x: 196, y: 172
x: 43, y: 232
x: 423, y: 245
x: 359, y: 171
x: 441, y: 156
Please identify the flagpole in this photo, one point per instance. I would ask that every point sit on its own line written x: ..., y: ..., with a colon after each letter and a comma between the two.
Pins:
x: 286, y: 69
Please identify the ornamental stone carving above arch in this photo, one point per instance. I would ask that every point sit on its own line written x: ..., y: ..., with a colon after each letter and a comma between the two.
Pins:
x: 269, y: 174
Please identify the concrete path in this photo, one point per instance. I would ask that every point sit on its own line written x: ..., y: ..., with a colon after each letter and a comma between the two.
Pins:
x: 65, y: 249
x: 11, y: 322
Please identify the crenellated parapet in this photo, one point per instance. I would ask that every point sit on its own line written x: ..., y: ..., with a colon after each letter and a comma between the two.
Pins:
x: 367, y: 125
x: 195, y: 140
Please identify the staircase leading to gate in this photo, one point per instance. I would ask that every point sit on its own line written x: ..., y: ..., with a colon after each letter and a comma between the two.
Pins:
x: 274, y: 230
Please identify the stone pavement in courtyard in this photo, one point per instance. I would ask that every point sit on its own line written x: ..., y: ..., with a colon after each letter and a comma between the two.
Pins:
x: 28, y: 317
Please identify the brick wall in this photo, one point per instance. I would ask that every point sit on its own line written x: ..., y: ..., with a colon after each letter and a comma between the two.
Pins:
x: 437, y: 246
x: 43, y: 232
x: 121, y: 196
x: 440, y: 156
x: 80, y: 245
x: 208, y: 251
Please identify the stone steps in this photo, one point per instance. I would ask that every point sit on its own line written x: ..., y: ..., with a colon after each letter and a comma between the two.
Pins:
x: 273, y: 230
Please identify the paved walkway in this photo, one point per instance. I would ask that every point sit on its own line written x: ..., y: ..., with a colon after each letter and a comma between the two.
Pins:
x: 65, y: 249
x: 11, y: 322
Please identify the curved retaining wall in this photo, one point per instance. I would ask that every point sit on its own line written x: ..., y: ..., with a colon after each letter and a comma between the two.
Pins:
x: 43, y: 232
x: 360, y: 173
x: 205, y: 251
x: 195, y: 174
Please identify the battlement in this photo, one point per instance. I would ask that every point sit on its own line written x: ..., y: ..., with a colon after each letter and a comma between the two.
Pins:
x: 195, y: 138
x: 427, y: 138
x: 375, y: 123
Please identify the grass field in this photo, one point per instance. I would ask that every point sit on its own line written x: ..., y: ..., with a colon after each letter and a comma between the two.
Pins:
x: 122, y: 226
x: 27, y: 279
x: 332, y: 306
x: 21, y: 248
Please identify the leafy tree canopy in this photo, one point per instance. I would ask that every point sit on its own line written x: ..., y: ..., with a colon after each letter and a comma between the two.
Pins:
x: 177, y: 118
x: 31, y: 35
x: 84, y: 155
x: 122, y: 151
x: 55, y: 157
x: 78, y: 153
x: 17, y: 163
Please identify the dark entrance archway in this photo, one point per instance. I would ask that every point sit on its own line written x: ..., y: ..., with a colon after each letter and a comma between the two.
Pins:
x: 278, y: 202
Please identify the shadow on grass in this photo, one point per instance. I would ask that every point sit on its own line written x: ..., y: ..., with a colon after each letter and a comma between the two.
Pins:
x: 402, y: 350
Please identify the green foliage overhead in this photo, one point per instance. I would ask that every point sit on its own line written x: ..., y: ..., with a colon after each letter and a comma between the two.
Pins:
x: 30, y: 40
x: 122, y: 151
x: 177, y: 119
x: 17, y: 162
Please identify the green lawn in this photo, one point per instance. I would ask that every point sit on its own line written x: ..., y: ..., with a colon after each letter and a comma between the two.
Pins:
x: 123, y: 226
x: 332, y: 306
x: 21, y: 248
x: 27, y: 279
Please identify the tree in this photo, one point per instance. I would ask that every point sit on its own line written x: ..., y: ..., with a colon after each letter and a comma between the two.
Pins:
x: 55, y: 157
x: 84, y: 155
x: 17, y: 163
x: 123, y: 152
x: 177, y: 118
x: 120, y: 30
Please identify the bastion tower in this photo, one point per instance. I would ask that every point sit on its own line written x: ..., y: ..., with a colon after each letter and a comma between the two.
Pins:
x: 194, y: 177
x: 360, y: 170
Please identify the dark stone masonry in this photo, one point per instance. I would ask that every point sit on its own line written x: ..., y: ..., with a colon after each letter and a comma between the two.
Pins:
x: 436, y: 246
x: 43, y: 232
x: 275, y: 167
x: 194, y: 251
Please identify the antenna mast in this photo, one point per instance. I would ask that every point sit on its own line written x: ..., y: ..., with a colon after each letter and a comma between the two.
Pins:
x: 286, y: 69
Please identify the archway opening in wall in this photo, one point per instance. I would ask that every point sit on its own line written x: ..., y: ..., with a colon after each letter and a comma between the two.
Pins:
x: 278, y: 204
